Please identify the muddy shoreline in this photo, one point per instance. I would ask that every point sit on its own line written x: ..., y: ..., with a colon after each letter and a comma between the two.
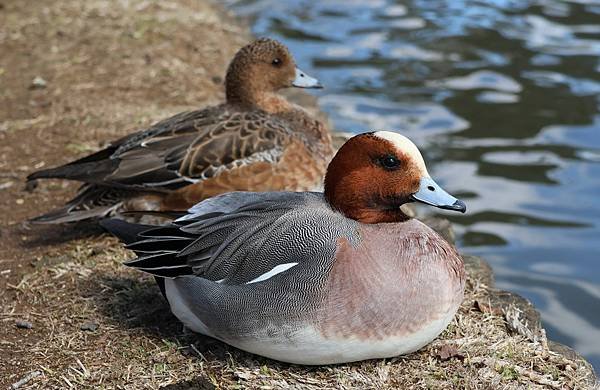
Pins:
x: 76, y: 74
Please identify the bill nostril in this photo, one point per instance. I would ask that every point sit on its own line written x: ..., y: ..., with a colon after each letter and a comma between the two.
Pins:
x: 431, y: 188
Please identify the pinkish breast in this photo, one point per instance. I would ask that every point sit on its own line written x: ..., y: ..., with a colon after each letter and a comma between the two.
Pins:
x: 400, y: 278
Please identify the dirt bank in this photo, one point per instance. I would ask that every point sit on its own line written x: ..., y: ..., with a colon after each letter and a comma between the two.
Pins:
x: 74, y: 74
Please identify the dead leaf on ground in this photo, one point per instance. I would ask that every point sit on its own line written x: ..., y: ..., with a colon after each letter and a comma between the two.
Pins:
x: 448, y: 351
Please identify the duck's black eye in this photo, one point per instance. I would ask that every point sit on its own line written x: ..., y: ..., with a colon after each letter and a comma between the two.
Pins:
x: 389, y: 162
x: 276, y: 62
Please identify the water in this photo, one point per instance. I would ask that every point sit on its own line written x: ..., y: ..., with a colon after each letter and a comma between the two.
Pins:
x: 502, y: 97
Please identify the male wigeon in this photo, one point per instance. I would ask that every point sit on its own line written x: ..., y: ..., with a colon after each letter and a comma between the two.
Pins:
x: 313, y: 278
x: 255, y: 141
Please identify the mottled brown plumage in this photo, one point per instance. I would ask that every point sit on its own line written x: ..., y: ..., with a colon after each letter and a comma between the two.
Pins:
x: 252, y: 80
x: 256, y: 141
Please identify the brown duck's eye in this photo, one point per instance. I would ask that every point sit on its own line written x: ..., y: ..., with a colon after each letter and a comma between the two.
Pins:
x: 389, y: 162
x: 276, y: 62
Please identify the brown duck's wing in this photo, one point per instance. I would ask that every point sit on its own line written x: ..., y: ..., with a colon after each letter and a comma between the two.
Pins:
x: 184, y: 149
x: 188, y: 155
x: 91, y: 202
x: 95, y: 167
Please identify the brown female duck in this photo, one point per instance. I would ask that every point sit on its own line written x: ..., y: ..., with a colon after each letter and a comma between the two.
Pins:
x: 255, y: 141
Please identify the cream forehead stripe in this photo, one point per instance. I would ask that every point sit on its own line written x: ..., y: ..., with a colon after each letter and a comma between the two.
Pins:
x: 405, y: 146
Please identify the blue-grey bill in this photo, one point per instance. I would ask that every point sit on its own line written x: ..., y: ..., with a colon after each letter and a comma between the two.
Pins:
x: 432, y: 194
x: 303, y: 80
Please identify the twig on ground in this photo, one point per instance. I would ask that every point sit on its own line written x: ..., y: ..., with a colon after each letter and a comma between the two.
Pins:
x: 200, y: 355
x: 25, y: 379
x: 501, y: 364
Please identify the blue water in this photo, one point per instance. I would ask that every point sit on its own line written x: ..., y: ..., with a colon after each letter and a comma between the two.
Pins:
x: 502, y: 98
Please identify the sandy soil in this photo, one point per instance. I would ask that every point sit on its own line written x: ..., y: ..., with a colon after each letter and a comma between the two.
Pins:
x: 75, y: 74
x: 72, y: 76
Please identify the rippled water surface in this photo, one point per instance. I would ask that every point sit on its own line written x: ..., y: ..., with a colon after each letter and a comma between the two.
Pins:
x: 502, y: 98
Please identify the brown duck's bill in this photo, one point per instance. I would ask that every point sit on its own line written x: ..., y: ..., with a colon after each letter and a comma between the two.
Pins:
x: 303, y: 80
x: 432, y: 194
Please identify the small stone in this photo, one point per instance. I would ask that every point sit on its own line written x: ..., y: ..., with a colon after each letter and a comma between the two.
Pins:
x: 6, y: 185
x: 38, y: 83
x: 243, y: 375
x: 160, y: 357
x: 31, y: 185
x: 22, y: 324
x: 19, y: 201
x: 89, y: 326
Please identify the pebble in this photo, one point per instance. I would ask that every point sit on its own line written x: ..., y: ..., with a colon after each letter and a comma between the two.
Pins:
x: 38, y: 83
x: 6, y: 185
x: 31, y: 185
x: 22, y: 324
x: 89, y: 326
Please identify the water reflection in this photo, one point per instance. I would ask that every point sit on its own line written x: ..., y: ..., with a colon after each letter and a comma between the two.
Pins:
x: 481, y: 79
x: 503, y: 98
x: 418, y: 120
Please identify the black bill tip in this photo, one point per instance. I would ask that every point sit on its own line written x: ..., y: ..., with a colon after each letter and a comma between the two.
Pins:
x: 459, y: 205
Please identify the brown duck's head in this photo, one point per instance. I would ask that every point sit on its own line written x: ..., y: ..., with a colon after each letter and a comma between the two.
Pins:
x: 260, y: 69
x: 373, y: 174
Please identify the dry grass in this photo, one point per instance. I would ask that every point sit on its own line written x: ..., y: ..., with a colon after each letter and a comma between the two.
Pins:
x: 110, y: 67
x: 138, y: 344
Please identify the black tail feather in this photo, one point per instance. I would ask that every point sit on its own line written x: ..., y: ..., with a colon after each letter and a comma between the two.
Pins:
x: 125, y: 231
x: 129, y: 233
x: 155, y: 256
x: 165, y: 244
x: 157, y: 261
x: 95, y: 165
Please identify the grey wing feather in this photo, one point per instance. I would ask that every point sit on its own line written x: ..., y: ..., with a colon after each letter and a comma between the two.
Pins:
x: 232, y: 201
x: 237, y: 237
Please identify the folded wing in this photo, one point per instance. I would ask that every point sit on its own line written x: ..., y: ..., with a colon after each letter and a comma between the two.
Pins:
x: 244, y: 237
x: 183, y: 149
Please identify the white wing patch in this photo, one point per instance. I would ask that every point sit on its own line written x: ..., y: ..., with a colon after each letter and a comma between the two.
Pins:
x: 406, y: 146
x: 276, y: 270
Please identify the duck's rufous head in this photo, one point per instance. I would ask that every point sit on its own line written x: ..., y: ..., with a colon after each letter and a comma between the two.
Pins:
x: 260, y: 69
x: 373, y: 174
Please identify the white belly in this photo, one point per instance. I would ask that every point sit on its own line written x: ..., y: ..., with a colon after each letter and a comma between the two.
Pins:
x: 308, y: 346
x: 181, y: 310
x: 311, y: 348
